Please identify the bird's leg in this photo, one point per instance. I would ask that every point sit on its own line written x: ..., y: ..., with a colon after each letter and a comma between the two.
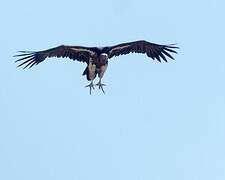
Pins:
x: 100, y: 85
x: 91, y: 86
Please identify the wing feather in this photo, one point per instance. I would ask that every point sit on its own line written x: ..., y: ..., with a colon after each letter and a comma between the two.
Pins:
x: 152, y: 50
x: 78, y: 53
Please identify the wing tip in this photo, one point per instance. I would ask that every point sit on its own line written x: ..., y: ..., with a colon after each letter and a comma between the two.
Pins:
x: 27, y: 58
x: 173, y: 46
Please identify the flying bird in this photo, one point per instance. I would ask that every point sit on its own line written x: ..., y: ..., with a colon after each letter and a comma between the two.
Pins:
x: 97, y: 58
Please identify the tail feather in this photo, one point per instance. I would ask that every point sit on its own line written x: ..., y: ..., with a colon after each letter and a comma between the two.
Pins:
x: 86, y: 73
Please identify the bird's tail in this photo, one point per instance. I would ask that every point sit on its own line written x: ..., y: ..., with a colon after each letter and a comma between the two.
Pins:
x: 86, y: 73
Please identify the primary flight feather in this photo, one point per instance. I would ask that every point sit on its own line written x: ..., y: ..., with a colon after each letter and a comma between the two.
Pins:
x: 97, y: 57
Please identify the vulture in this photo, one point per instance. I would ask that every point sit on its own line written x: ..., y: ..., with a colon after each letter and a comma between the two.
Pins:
x: 97, y: 58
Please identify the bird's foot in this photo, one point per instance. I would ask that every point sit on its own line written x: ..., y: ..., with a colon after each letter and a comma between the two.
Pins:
x: 100, y: 86
x: 91, y: 86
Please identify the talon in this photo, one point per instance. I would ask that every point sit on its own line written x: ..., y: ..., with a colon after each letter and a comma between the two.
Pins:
x: 100, y: 86
x: 91, y: 86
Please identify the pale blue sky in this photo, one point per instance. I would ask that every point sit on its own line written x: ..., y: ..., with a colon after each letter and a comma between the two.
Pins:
x: 156, y: 121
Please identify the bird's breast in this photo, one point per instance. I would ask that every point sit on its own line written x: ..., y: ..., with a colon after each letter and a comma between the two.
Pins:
x: 100, y: 62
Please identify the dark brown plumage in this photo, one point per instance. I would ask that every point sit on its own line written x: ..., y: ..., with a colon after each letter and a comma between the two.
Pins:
x: 97, y: 57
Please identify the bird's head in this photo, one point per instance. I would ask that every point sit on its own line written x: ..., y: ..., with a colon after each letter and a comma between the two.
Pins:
x: 103, y: 57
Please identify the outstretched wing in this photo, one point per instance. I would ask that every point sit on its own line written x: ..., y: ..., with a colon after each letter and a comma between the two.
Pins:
x: 154, y: 51
x: 79, y: 53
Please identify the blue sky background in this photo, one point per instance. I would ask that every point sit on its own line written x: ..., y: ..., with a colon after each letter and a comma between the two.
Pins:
x: 156, y: 121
